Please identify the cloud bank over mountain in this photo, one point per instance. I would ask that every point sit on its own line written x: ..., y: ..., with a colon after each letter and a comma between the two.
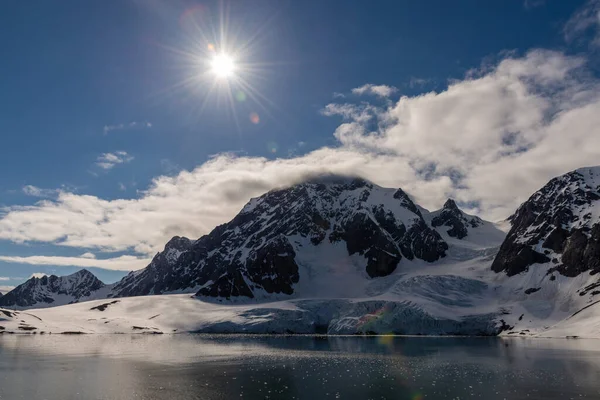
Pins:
x: 488, y: 140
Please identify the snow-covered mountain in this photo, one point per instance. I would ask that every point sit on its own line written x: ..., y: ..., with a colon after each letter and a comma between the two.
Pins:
x: 294, y: 240
x: 344, y: 256
x: 559, y: 224
x: 53, y: 290
x: 457, y: 222
x: 548, y: 265
x: 461, y: 230
x: 348, y: 238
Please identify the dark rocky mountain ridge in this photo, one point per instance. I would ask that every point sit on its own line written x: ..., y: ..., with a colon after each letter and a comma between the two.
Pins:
x: 47, y: 290
x: 559, y: 224
x: 256, y: 252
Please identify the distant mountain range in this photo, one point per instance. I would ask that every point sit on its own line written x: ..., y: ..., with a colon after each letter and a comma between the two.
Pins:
x: 53, y: 290
x: 336, y: 237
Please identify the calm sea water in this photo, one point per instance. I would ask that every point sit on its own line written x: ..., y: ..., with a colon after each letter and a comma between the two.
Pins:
x: 250, y: 367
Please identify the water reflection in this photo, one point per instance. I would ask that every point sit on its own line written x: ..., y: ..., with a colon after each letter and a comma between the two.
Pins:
x: 258, y: 367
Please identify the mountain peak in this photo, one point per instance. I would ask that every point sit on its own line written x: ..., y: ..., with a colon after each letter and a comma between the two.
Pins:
x: 178, y: 243
x: 450, y: 204
x: 567, y: 227
x: 45, y: 290
x: 82, y: 273
x: 452, y: 217
x: 267, y: 248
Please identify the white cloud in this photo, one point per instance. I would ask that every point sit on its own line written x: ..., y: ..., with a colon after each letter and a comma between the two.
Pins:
x: 378, y: 90
x: 109, y: 160
x: 88, y: 255
x: 4, y: 278
x: 491, y: 139
x: 35, y: 191
x: 6, y: 289
x: 121, y: 127
x: 190, y: 203
x: 418, y: 82
x: 169, y: 166
x: 359, y: 113
x: 586, y: 20
x: 122, y: 263
x: 503, y: 134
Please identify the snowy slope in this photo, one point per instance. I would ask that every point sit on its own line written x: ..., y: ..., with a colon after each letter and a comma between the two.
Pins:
x: 548, y: 265
x: 53, y: 290
x: 183, y: 313
x: 464, y: 301
x: 536, y: 303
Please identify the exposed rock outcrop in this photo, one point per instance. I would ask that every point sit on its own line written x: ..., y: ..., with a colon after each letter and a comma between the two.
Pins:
x: 53, y: 290
x: 560, y: 222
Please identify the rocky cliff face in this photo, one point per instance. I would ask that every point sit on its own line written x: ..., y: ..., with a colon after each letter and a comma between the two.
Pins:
x: 456, y: 222
x: 258, y: 252
x: 163, y: 274
x: 53, y: 290
x: 559, y: 224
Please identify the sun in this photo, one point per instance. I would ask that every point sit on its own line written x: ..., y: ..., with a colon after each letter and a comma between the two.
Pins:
x: 223, y: 69
x: 222, y: 65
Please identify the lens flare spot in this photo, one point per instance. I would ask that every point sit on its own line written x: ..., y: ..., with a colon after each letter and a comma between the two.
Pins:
x: 211, y: 47
x: 367, y: 321
x: 240, y: 96
x: 272, y: 146
x: 254, y: 118
x: 190, y: 18
x: 386, y: 340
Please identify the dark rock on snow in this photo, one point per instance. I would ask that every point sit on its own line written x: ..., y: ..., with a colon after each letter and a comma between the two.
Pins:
x: 45, y: 290
x: 559, y: 219
x: 452, y: 217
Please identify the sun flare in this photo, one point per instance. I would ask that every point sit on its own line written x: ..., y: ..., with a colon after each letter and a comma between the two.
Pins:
x: 224, y: 69
x: 222, y: 65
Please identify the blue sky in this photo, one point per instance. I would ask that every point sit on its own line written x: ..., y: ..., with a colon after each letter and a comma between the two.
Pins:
x: 113, y: 141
